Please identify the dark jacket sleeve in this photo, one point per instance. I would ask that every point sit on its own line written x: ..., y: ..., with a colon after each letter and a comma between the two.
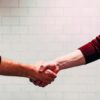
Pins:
x: 91, y: 50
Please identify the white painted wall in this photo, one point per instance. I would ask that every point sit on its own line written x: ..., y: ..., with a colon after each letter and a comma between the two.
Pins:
x: 33, y: 30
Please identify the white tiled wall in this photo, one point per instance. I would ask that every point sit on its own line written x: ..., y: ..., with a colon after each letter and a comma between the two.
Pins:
x: 33, y: 30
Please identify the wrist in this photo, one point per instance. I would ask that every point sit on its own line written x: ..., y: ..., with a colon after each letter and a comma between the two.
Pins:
x: 27, y: 71
x: 33, y: 72
x: 60, y: 65
x: 63, y: 64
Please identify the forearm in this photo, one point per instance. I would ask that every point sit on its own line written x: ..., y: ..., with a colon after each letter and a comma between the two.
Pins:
x: 84, y: 55
x: 73, y: 59
x: 10, y: 68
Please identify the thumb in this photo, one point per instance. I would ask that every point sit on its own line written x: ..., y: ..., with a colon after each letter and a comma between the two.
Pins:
x: 43, y: 68
x: 53, y: 67
x: 50, y: 73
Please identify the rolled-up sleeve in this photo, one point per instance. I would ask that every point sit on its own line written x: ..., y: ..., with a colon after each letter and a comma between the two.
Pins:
x: 91, y: 50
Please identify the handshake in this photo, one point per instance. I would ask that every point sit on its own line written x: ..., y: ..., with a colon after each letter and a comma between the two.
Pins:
x: 40, y: 74
x: 44, y: 74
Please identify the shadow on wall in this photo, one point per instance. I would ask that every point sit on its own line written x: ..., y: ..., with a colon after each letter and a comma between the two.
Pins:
x: 8, y: 3
x: 5, y: 6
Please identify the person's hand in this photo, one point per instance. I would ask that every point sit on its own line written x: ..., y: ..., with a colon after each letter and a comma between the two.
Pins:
x: 53, y: 69
x: 42, y: 78
x: 53, y: 66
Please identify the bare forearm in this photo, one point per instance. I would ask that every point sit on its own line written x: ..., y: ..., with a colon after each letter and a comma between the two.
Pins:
x: 73, y: 59
x: 10, y: 68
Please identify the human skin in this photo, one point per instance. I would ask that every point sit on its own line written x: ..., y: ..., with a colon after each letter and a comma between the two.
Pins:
x: 85, y: 54
x: 11, y: 68
x: 73, y: 59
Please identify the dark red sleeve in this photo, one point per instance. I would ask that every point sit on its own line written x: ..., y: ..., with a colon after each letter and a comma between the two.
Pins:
x: 91, y: 50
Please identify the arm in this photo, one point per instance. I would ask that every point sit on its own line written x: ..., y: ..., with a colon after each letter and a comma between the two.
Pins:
x: 84, y: 55
x: 73, y: 59
x: 11, y: 68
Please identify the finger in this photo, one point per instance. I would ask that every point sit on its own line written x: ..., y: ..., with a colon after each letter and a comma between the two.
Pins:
x: 47, y: 66
x: 53, y: 67
x: 56, y: 70
x: 48, y: 81
x: 41, y: 84
x: 42, y: 69
x: 50, y: 73
x: 38, y: 82
x: 32, y: 79
x: 51, y: 80
x: 53, y: 76
x: 34, y: 82
x: 44, y: 84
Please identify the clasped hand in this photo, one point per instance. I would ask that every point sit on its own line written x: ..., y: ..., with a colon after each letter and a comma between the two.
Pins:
x: 46, y: 73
